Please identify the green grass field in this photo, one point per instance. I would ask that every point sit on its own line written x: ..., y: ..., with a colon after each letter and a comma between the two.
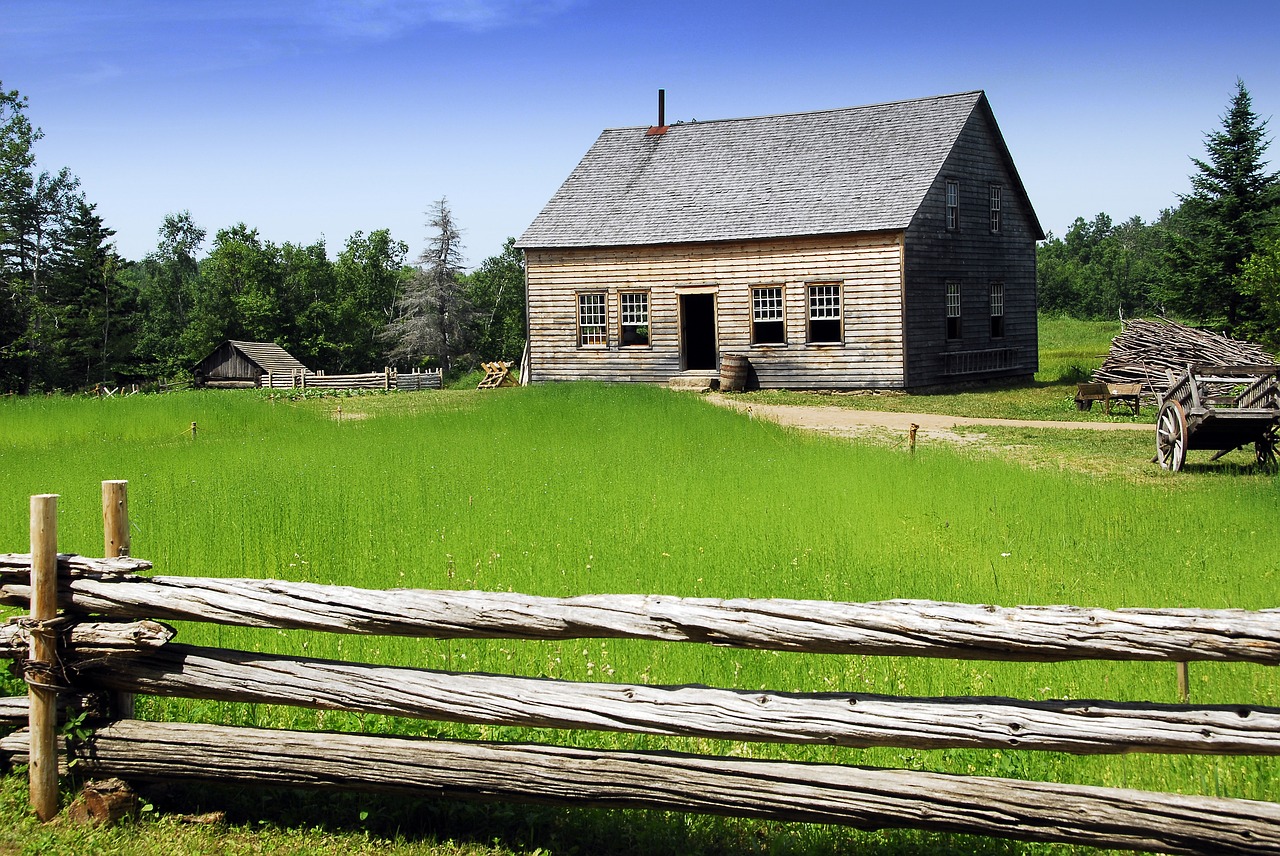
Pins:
x: 571, y: 489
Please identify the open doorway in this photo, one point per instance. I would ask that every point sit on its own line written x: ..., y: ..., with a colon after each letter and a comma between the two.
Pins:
x: 698, y: 332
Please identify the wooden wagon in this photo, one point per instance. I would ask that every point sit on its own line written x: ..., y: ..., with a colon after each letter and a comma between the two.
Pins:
x: 1221, y: 408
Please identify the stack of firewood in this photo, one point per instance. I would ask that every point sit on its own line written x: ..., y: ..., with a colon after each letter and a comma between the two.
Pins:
x: 1146, y: 350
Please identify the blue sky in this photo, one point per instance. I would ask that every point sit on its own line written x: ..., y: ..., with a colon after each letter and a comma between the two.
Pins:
x: 317, y: 118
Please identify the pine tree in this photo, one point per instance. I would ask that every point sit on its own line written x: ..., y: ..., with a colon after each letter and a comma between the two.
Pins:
x: 1233, y: 201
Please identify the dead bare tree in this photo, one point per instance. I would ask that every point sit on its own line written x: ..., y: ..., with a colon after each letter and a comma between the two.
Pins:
x: 432, y: 312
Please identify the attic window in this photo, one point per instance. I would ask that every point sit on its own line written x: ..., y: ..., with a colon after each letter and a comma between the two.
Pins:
x: 953, y: 205
x: 995, y: 208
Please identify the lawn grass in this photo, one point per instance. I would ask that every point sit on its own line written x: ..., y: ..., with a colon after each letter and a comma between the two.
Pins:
x: 572, y: 489
x: 1070, y: 351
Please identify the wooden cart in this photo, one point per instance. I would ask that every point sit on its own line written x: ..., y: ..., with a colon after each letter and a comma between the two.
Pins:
x: 1218, y: 407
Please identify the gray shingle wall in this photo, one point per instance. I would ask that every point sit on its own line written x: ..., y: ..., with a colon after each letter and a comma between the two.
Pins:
x: 830, y: 172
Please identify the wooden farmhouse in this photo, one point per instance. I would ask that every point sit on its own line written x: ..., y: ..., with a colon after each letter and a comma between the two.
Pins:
x: 889, y: 246
x: 236, y: 364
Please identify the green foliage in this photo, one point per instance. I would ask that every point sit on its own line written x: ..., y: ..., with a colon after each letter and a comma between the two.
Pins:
x: 1101, y: 270
x: 1259, y: 279
x: 496, y: 291
x: 1232, y: 203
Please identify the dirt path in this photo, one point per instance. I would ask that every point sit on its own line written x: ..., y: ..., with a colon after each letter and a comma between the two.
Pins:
x: 843, y: 421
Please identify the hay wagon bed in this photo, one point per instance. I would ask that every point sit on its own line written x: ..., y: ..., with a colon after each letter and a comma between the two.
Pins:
x: 1221, y: 408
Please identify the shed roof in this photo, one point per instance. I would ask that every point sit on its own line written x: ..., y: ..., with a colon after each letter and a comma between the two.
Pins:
x: 268, y: 356
x: 835, y: 171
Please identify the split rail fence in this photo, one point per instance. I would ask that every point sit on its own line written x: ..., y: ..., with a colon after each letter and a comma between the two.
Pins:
x: 387, y: 379
x: 107, y: 639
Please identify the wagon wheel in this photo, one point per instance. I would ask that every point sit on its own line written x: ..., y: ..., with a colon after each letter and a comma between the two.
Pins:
x: 1171, y: 436
x: 1265, y: 448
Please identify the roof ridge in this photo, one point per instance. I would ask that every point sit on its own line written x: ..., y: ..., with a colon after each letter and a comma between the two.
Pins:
x: 797, y: 113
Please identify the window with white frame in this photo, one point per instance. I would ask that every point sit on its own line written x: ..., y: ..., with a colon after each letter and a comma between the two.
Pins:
x: 768, y: 326
x: 997, y: 310
x: 592, y: 327
x: 953, y: 310
x: 634, y: 317
x: 995, y: 208
x: 953, y: 204
x: 824, y: 313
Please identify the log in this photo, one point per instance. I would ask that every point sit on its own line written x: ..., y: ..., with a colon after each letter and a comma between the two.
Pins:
x: 915, y: 628
x: 18, y: 565
x: 14, y: 710
x: 103, y: 802
x: 89, y: 639
x: 864, y: 797
x: 841, y: 719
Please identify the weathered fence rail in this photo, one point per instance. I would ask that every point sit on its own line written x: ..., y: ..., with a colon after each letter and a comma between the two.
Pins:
x: 387, y: 379
x: 106, y: 639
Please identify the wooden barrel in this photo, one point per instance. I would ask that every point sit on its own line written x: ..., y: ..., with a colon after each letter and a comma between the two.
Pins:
x: 733, y: 372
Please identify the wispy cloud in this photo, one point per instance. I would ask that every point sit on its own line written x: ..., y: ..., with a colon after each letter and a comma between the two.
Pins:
x: 389, y: 18
x: 91, y: 40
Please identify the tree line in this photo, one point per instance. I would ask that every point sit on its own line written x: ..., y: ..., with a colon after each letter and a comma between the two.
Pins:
x: 75, y: 314
x: 1213, y: 259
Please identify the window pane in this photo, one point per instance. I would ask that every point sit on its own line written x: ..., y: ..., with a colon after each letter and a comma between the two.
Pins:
x: 634, y: 313
x: 635, y: 307
x: 766, y: 304
x: 995, y: 208
x: 953, y: 310
x: 953, y: 204
x: 767, y: 326
x: 591, y: 319
x: 824, y: 313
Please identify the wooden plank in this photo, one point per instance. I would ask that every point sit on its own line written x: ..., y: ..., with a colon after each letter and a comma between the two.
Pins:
x: 863, y: 797
x: 918, y: 628
x: 836, y: 719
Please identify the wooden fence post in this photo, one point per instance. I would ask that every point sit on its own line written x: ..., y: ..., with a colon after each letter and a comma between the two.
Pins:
x: 43, y: 717
x: 115, y: 543
x: 1184, y: 682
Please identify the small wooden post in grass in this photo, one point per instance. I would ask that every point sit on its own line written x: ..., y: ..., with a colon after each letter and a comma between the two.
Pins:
x: 43, y: 697
x: 911, y: 437
x: 193, y: 430
x: 1184, y: 682
x: 115, y: 543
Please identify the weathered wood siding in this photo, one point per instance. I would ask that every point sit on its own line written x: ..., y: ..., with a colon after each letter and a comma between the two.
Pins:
x: 868, y: 267
x: 974, y: 257
x: 227, y: 363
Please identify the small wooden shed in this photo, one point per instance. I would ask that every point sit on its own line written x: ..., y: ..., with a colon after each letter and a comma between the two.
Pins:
x: 887, y: 246
x: 235, y: 364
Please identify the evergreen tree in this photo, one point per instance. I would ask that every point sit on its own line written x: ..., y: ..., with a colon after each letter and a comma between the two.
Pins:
x: 167, y: 295
x: 1232, y: 202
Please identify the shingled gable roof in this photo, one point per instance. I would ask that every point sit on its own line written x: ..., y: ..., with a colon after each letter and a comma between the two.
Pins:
x: 268, y: 356
x: 830, y: 172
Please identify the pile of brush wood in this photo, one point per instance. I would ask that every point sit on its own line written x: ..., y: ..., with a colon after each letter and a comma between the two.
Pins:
x: 1145, y: 351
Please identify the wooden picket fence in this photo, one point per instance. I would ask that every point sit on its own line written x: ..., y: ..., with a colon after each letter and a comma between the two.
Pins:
x: 107, y: 638
x: 387, y: 379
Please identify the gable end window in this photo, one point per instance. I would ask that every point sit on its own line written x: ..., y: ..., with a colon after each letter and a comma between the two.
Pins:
x: 824, y: 313
x: 953, y: 310
x: 953, y: 205
x: 997, y: 310
x: 995, y: 208
x: 592, y: 328
x: 634, y: 315
x: 768, y: 326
